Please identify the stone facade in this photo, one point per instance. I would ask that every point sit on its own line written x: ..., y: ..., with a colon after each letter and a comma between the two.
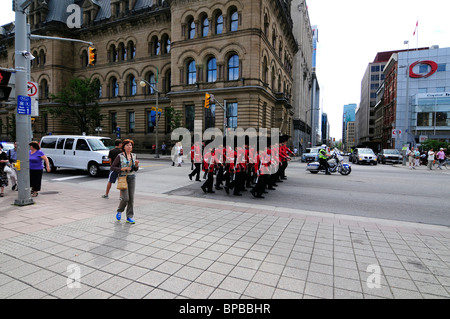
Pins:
x: 242, y: 52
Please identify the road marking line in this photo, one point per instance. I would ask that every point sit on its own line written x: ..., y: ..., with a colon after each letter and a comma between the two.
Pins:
x: 67, y: 178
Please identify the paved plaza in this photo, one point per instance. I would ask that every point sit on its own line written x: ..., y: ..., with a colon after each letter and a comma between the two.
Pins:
x: 69, y: 245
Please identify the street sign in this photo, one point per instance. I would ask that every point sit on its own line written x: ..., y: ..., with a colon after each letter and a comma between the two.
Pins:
x: 32, y: 88
x: 23, y: 105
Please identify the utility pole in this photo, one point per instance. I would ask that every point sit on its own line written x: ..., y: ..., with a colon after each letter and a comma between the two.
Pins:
x: 23, y: 121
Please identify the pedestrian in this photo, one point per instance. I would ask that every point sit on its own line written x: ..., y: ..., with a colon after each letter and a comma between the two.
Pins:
x: 3, y: 176
x: 163, y: 148
x: 430, y: 159
x: 112, y: 177
x: 440, y: 157
x: 196, y: 159
x: 417, y: 156
x: 126, y: 164
x: 36, y: 167
x: 12, y: 157
x: 209, y: 166
x: 411, y: 158
x: 179, y: 152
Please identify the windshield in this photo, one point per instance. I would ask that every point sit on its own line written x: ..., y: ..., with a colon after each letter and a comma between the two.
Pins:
x: 108, y: 143
x: 365, y: 151
x: 315, y: 150
x: 97, y: 145
x: 396, y: 152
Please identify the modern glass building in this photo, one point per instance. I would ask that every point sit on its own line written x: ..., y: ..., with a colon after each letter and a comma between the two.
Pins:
x: 423, y: 96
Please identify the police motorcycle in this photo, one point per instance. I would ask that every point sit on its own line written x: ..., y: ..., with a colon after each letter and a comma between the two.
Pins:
x: 336, y: 163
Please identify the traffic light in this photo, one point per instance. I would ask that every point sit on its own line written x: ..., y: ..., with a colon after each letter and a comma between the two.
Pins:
x: 207, y: 100
x: 92, y: 55
x: 5, y: 90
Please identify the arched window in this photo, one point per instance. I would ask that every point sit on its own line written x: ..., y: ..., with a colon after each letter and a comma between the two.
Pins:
x: 113, y: 52
x: 219, y: 24
x: 191, y: 31
x: 84, y: 59
x: 212, y: 70
x: 152, y: 80
x: 205, y: 27
x: 132, y: 86
x: 165, y: 43
x: 122, y: 52
x: 114, y: 87
x: 266, y: 25
x: 44, y: 89
x: 131, y: 49
x: 233, y: 68
x: 234, y: 22
x: 191, y: 73
x: 264, y: 70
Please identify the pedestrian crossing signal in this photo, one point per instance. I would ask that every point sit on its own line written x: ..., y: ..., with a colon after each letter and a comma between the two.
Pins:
x: 207, y: 100
x: 92, y: 56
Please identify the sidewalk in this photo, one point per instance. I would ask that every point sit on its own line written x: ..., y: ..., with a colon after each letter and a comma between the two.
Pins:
x: 68, y: 245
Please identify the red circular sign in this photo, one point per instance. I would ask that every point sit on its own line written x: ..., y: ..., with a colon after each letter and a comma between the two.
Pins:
x: 432, y: 64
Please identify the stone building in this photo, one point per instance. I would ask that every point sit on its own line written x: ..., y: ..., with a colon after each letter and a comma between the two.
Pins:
x: 242, y: 52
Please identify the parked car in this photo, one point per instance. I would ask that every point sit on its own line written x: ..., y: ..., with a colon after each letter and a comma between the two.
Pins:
x: 86, y: 153
x: 310, y: 155
x: 389, y: 155
x: 363, y: 155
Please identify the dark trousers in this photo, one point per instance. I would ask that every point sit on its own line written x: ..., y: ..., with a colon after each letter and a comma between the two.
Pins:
x: 196, y: 171
x: 219, y: 176
x: 236, y: 184
x: 35, y: 179
x: 208, y: 184
x: 324, y: 163
x: 260, y: 184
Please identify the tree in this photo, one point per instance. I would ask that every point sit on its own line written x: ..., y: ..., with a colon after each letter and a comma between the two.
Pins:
x: 76, y: 105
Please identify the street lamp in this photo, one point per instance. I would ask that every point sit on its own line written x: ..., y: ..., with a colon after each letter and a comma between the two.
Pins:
x: 144, y: 83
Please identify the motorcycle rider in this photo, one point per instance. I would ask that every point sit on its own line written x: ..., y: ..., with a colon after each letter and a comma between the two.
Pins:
x: 323, y: 159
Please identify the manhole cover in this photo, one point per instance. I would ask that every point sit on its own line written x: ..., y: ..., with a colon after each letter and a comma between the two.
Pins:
x: 182, y: 192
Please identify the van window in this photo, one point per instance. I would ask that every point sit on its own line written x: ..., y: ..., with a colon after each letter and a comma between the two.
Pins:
x: 60, y: 144
x: 69, y: 144
x: 97, y: 145
x: 48, y: 142
x: 82, y: 145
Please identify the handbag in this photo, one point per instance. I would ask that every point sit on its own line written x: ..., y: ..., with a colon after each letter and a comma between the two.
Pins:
x: 122, y: 183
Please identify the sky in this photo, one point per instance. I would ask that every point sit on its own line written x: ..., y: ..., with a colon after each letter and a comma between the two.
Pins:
x: 351, y: 32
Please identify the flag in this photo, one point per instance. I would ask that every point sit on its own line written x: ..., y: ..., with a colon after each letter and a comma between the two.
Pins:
x: 417, y: 25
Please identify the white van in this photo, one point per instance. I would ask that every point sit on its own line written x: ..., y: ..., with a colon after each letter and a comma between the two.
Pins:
x: 76, y: 152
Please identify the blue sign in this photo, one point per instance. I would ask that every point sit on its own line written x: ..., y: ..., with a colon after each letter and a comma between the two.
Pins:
x: 23, y: 105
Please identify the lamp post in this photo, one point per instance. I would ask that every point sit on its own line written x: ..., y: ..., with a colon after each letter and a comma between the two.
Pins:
x: 144, y: 83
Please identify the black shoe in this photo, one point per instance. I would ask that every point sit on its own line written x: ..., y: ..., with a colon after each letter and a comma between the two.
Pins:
x: 253, y: 192
x: 203, y: 189
x: 227, y: 190
x: 190, y: 177
x: 14, y: 187
x: 327, y: 173
x: 271, y: 188
x: 259, y: 196
x: 197, y: 180
x: 211, y: 192
x: 219, y: 188
x: 264, y: 192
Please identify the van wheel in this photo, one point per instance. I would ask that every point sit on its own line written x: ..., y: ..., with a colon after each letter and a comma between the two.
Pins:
x: 93, y: 170
x: 52, y: 166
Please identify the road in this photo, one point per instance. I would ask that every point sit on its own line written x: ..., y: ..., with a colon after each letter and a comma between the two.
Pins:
x: 381, y: 191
